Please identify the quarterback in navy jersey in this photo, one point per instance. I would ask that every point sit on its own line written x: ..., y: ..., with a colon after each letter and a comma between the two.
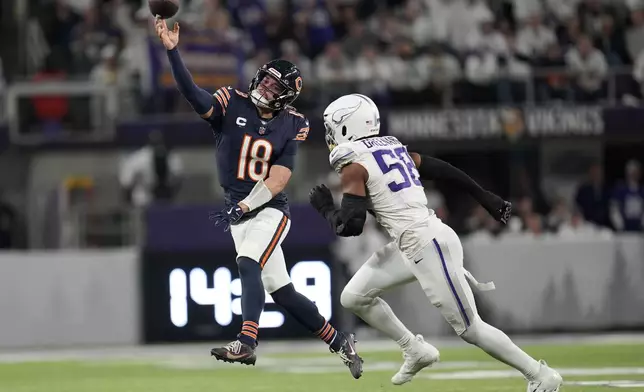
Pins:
x: 249, y: 145
x: 257, y: 133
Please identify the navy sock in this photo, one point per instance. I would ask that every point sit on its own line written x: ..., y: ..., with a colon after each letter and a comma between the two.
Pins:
x: 306, y: 313
x: 252, y: 300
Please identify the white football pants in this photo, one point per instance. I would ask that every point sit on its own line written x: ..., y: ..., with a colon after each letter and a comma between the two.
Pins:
x: 439, y: 270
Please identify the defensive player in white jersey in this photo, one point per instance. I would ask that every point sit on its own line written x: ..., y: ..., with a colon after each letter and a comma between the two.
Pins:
x: 379, y: 174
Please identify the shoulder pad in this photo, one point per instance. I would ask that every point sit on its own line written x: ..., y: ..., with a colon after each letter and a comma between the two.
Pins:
x: 291, y: 110
x: 341, y: 156
x: 302, y: 130
x: 223, y: 97
x: 241, y: 93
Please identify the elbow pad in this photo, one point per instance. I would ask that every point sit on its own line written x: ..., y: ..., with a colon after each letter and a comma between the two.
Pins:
x: 349, y: 221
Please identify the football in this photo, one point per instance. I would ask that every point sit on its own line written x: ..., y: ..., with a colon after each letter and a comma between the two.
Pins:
x: 164, y: 8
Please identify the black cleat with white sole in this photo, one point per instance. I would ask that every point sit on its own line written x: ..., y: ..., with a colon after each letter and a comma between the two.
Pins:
x: 349, y: 355
x: 235, y: 351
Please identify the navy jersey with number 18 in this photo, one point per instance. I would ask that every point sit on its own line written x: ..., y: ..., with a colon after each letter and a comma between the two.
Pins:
x: 248, y: 146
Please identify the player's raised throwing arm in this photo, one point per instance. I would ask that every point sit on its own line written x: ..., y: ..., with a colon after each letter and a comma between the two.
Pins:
x: 349, y: 220
x: 431, y: 168
x: 200, y: 99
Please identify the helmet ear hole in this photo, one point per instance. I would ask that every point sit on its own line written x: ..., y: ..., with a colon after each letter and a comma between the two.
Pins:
x: 344, y: 130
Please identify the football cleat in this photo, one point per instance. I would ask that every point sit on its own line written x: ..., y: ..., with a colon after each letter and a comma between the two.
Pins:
x: 547, y: 380
x: 349, y: 355
x: 418, y: 356
x: 235, y: 351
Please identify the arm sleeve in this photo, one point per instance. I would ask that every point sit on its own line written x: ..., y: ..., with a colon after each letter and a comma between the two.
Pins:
x: 435, y: 169
x: 200, y: 99
x: 349, y: 220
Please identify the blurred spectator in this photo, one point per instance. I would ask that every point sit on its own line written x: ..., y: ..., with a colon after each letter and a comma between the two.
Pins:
x: 635, y: 35
x: 109, y: 72
x: 373, y: 72
x: 486, y: 38
x: 592, y: 197
x: 535, y: 38
x: 588, y: 67
x: 335, y: 71
x: 591, y: 13
x: 313, y: 24
x: 480, y: 221
x: 569, y: 33
x: 514, y: 69
x: 220, y: 24
x: 407, y: 82
x: 278, y: 28
x: 151, y: 174
x: 577, y: 226
x: 196, y: 14
x: 563, y: 9
x: 8, y: 224
x: 482, y: 66
x: 524, y: 8
x: 559, y: 214
x: 58, y: 22
x: 95, y: 32
x: 417, y: 25
x: 135, y: 58
x: 452, y: 22
x: 554, y: 83
x: 358, y: 38
x: 250, y: 16
x: 611, y: 40
x: 440, y: 70
x: 387, y: 28
x: 533, y: 224
x: 627, y: 200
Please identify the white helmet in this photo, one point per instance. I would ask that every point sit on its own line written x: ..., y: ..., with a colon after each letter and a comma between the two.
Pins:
x: 349, y: 118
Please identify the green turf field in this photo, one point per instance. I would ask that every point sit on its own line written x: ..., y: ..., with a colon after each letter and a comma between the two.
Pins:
x: 593, y: 368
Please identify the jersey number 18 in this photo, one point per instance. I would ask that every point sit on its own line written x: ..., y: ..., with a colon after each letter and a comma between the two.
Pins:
x: 254, y: 157
x: 400, y: 161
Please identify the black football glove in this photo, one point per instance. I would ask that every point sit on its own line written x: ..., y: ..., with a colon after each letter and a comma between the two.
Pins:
x: 500, y: 209
x: 321, y: 199
x: 228, y: 215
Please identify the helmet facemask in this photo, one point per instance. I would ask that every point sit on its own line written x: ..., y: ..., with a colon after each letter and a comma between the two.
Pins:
x: 329, y: 136
x: 269, y: 92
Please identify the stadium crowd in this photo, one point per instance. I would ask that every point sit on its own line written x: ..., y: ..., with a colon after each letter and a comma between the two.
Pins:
x: 401, y: 52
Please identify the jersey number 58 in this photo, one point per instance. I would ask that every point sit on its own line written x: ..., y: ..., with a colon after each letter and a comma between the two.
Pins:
x: 399, y: 160
x: 254, y: 158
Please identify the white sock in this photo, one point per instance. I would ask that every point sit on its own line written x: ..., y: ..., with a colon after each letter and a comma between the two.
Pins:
x: 498, y: 345
x: 379, y: 315
x: 405, y: 341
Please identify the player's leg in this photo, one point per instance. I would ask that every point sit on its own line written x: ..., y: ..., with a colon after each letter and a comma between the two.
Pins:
x: 253, y: 238
x: 278, y: 283
x: 383, y: 271
x: 441, y: 275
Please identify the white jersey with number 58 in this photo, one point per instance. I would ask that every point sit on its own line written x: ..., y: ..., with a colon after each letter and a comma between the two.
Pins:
x: 394, y: 188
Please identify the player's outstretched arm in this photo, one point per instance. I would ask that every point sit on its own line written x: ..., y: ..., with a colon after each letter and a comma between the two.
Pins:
x: 200, y: 99
x: 350, y: 218
x: 431, y: 168
x: 264, y: 191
